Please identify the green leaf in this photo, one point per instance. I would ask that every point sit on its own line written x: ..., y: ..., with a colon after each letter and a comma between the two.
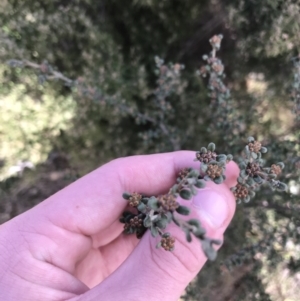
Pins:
x: 162, y: 222
x: 253, y: 155
x: 218, y: 180
x: 174, y: 188
x: 153, y: 203
x: 221, y: 157
x: 247, y: 151
x: 168, y: 215
x: 208, y: 250
x: 142, y: 208
x: 130, y: 230
x: 247, y: 199
x: 128, y: 216
x: 203, y: 167
x: 185, y: 194
x: 240, y: 180
x: 243, y: 174
x: 280, y: 164
x: 193, y: 173
x: 211, y: 147
x: 200, y: 184
x: 194, y: 222
x: 175, y: 220
x: 127, y: 213
x: 147, y: 222
x: 272, y: 176
x: 140, y: 232
x: 191, y: 181
x: 251, y: 193
x: 217, y: 242
x: 260, y: 161
x: 263, y: 149
x: 193, y: 190
x: 258, y: 179
x: 183, y: 210
x: 250, y: 181
x: 188, y: 235
x: 221, y: 163
x: 242, y: 165
x: 229, y: 157
x: 207, y: 178
x: 126, y: 195
x: 203, y: 150
x: 281, y: 186
x: 145, y: 200
x: 200, y: 233
x: 154, y: 231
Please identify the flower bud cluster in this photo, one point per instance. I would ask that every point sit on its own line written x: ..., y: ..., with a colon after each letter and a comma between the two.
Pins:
x: 212, y: 164
x: 167, y: 83
x: 223, y: 112
x: 253, y: 174
x: 157, y: 212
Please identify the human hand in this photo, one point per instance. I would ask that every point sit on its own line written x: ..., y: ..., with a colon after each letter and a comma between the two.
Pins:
x: 71, y: 246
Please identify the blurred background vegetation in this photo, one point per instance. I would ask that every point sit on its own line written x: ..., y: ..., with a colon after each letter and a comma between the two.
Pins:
x: 52, y: 133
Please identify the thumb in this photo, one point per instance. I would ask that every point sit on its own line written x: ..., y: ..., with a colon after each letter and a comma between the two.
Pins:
x: 155, y: 274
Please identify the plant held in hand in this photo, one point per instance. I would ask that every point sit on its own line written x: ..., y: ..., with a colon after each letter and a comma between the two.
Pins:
x: 156, y: 212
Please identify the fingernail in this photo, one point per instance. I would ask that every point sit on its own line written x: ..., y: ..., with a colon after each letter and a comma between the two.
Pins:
x: 211, y: 206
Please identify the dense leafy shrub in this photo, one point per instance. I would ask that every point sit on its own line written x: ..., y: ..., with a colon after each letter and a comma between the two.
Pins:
x: 113, y: 101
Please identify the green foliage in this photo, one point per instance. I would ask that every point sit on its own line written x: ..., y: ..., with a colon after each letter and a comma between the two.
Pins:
x: 112, y: 107
x: 28, y: 124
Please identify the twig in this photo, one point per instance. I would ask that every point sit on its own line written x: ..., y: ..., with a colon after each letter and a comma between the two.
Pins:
x: 50, y: 73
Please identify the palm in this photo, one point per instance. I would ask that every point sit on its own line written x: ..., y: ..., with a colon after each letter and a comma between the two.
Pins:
x: 104, y: 256
x: 70, y: 263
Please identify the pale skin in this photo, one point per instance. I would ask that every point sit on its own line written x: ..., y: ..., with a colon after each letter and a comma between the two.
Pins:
x: 71, y: 246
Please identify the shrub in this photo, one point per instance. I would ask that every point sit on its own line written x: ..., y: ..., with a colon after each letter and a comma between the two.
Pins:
x: 106, y: 62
